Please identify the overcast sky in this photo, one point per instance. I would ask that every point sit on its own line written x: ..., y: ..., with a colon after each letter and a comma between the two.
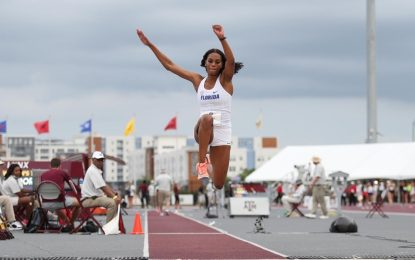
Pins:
x: 305, y: 66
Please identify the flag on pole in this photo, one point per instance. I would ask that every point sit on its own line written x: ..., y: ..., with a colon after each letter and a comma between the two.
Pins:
x: 3, y: 127
x: 258, y: 122
x: 42, y: 127
x: 87, y: 126
x: 172, y: 124
x: 130, y: 127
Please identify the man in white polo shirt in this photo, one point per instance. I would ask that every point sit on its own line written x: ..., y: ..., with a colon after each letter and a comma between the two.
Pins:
x: 164, y: 185
x: 95, y: 192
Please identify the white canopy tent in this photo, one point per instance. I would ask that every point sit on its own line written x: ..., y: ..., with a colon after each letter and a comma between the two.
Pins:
x: 361, y: 161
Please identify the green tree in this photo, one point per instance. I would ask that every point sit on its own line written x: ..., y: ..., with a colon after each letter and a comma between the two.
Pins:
x: 245, y: 174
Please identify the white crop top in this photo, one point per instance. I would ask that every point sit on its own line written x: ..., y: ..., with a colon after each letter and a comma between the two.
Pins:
x: 216, y: 101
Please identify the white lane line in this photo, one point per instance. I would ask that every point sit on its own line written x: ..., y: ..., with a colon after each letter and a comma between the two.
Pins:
x: 226, y: 233
x: 146, y: 253
x: 387, y: 213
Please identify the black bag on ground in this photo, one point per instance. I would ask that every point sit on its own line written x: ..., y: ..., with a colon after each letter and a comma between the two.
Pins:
x: 343, y: 225
x: 36, y: 221
x: 90, y: 227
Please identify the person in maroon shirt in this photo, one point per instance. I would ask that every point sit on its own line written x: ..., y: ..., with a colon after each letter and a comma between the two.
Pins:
x: 58, y: 176
x: 144, y: 196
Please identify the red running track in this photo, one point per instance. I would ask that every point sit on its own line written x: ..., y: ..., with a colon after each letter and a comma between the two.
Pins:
x: 176, y: 237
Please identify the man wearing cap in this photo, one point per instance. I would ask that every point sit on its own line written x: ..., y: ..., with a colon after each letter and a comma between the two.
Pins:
x: 293, y: 198
x: 318, y: 189
x: 95, y: 192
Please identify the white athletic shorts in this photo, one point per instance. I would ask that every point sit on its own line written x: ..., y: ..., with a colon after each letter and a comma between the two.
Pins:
x: 221, y: 136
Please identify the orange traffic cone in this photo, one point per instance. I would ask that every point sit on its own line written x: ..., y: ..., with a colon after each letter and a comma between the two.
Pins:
x: 137, y: 229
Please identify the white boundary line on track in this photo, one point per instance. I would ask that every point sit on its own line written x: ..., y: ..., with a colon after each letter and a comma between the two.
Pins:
x: 386, y: 212
x: 228, y: 234
x: 146, y: 252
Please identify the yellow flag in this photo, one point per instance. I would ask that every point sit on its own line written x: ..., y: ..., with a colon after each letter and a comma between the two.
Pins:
x: 130, y: 127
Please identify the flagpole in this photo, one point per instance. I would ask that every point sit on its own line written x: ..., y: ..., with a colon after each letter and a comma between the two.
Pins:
x: 2, y: 134
x: 177, y: 148
x: 91, y: 142
x: 50, y: 140
x: 7, y: 119
x: 91, y: 139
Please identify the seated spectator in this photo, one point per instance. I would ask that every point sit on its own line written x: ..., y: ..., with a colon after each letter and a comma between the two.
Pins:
x: 13, y: 187
x: 58, y: 176
x: 95, y: 192
x: 7, y: 207
x: 294, y: 197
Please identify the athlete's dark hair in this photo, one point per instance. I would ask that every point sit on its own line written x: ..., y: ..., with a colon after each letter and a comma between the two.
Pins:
x: 10, y: 170
x: 238, y: 65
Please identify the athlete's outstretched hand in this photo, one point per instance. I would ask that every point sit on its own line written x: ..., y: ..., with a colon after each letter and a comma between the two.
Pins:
x: 218, y: 30
x: 142, y: 37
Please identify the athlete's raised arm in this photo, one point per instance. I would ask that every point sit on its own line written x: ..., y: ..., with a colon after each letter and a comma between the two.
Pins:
x: 229, y: 70
x: 168, y: 64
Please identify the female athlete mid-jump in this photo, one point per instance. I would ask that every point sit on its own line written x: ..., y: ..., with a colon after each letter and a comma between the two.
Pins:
x: 214, y: 93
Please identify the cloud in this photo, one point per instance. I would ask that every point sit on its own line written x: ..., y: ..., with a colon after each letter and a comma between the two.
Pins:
x: 74, y: 55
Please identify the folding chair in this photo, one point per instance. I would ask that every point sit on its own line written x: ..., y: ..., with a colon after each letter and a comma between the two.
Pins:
x: 377, y: 206
x: 20, y: 214
x: 48, y: 190
x: 86, y: 213
x: 295, y: 208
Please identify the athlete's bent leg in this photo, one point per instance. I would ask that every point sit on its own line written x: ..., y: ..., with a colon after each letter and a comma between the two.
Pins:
x: 204, y: 135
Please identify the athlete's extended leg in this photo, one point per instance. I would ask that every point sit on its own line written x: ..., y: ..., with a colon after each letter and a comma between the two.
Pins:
x: 219, y: 157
